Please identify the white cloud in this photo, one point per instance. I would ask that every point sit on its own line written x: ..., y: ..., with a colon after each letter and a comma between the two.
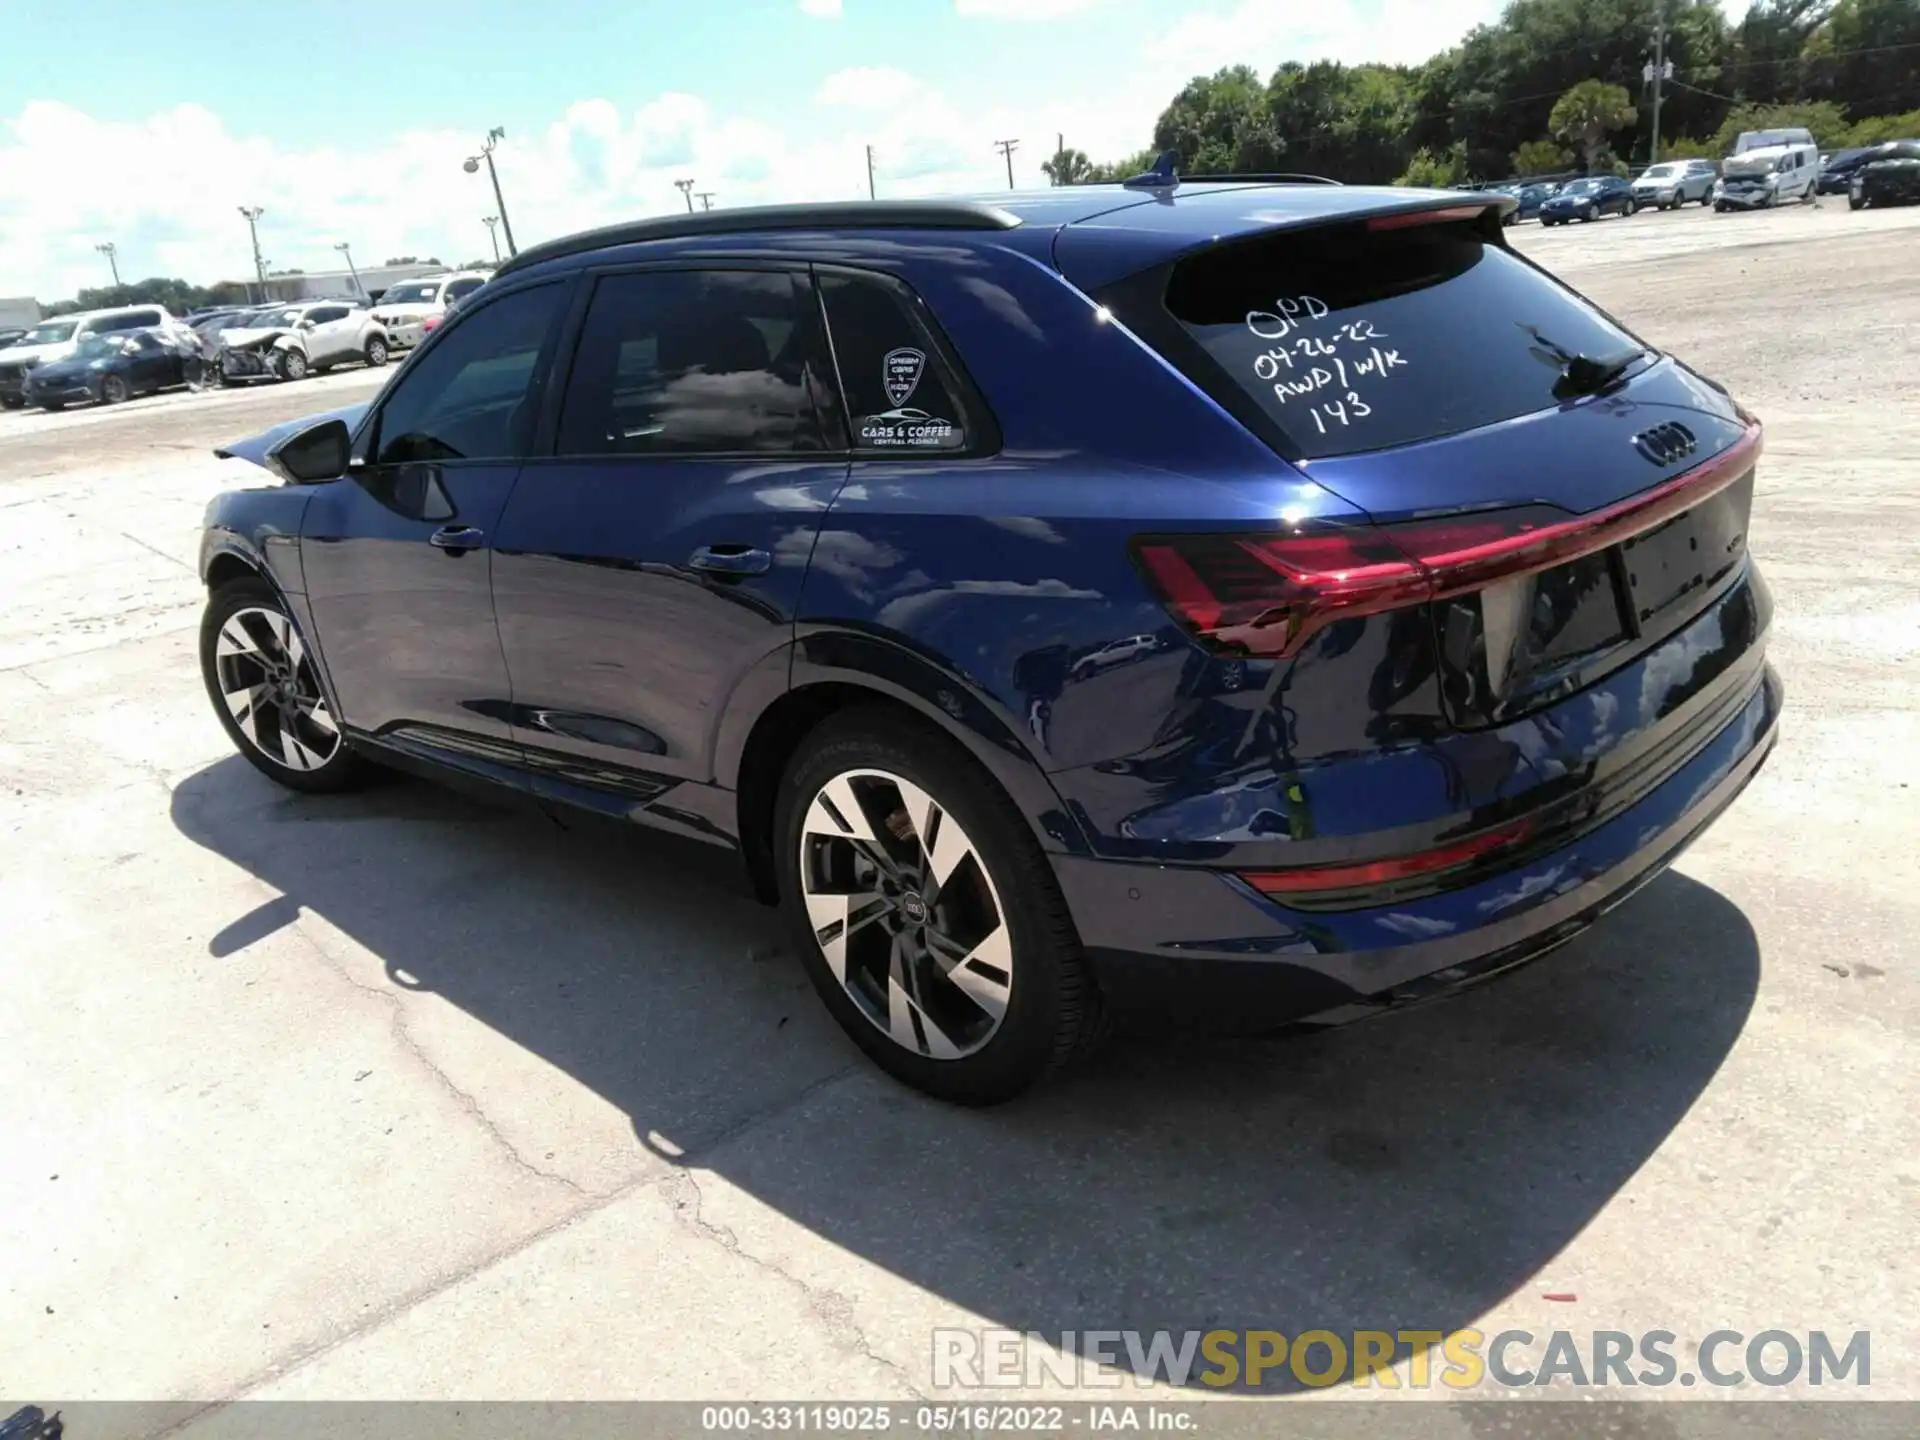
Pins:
x: 867, y: 87
x: 821, y: 9
x: 1021, y: 9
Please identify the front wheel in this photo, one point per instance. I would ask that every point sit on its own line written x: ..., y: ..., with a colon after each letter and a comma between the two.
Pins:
x: 266, y: 693
x: 925, y: 913
x: 292, y: 365
x: 376, y: 352
x: 113, y: 390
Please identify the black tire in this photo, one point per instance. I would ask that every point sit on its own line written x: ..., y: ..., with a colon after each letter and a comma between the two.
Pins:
x: 339, y: 767
x: 11, y: 402
x: 1719, y: 209
x: 1856, y: 202
x: 1052, y: 1015
x: 376, y: 353
x: 1706, y: 199
x: 53, y: 407
x: 113, y: 390
x: 292, y: 365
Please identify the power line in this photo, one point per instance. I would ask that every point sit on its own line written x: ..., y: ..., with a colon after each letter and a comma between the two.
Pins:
x: 1006, y: 148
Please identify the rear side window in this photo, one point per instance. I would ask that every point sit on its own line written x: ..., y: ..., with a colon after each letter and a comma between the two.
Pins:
x: 678, y: 362
x: 460, y: 289
x: 902, y: 397
x: 1348, y: 338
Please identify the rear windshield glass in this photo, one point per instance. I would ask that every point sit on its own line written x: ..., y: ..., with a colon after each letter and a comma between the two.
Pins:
x: 1349, y: 338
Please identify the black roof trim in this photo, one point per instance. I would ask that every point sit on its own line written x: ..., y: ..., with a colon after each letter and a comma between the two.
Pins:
x: 841, y: 215
x: 1253, y: 177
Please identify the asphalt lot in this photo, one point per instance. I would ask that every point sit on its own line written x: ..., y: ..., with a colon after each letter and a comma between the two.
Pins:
x: 400, y: 1096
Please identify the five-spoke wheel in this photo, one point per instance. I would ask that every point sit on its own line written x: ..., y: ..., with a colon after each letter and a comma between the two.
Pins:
x: 926, y: 913
x: 266, y: 692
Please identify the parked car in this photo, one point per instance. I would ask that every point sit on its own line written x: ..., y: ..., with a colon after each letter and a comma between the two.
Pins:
x: 57, y: 339
x: 116, y: 365
x: 776, y: 529
x: 404, y: 308
x: 288, y: 342
x: 1527, y: 201
x: 1587, y: 198
x: 1758, y: 178
x: 1672, y: 183
x: 11, y: 335
x: 1836, y: 171
x: 1891, y: 176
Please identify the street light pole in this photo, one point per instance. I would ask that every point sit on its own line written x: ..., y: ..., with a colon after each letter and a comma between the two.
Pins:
x: 494, y: 136
x: 253, y: 214
x: 685, y: 187
x: 1006, y: 148
x: 870, y: 172
x: 345, y: 250
x: 1661, y: 69
x: 111, y: 251
x: 490, y: 221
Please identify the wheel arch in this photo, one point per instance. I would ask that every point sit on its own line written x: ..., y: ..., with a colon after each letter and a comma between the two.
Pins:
x: 856, y: 672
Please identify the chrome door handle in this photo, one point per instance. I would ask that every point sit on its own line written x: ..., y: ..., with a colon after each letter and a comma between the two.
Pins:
x: 457, y: 538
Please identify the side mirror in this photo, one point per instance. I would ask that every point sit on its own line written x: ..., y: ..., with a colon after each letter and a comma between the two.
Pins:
x: 306, y: 323
x: 318, y: 453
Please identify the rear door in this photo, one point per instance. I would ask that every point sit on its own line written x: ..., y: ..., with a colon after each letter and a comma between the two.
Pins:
x: 397, y: 554
x: 655, y: 553
x: 150, y: 364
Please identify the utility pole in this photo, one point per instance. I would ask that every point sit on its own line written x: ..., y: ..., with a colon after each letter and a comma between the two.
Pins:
x: 870, y: 172
x: 111, y: 251
x: 1661, y: 69
x: 685, y: 187
x: 494, y: 136
x: 1059, y: 154
x: 490, y: 221
x: 706, y: 199
x: 1006, y: 148
x: 253, y: 214
x: 347, y: 251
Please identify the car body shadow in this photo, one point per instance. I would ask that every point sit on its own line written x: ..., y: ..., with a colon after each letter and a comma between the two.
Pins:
x: 1404, y: 1174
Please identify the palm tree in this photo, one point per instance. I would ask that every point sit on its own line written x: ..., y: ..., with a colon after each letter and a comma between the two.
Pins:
x: 1587, y: 114
x: 1068, y: 167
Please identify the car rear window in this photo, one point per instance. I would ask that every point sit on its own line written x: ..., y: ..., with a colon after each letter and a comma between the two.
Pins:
x: 1356, y: 337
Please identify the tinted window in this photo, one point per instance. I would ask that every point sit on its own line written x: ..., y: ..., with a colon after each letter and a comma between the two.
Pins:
x: 327, y: 314
x: 901, y: 397
x: 460, y: 289
x: 690, y: 361
x: 471, y: 395
x: 1349, y: 338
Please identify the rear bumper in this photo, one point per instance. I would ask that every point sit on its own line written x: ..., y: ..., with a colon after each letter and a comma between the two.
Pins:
x: 1190, y: 946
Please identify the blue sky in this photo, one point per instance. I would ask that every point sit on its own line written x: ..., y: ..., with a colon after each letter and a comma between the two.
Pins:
x: 348, y: 120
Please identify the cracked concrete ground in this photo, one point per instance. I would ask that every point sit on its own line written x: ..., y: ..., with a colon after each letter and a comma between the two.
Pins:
x: 397, y: 1095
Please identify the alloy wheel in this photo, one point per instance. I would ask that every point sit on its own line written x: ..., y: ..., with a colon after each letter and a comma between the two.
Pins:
x: 270, y: 690
x: 905, y: 913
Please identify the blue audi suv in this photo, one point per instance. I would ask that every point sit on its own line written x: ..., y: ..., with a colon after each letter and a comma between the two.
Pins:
x: 1237, y: 602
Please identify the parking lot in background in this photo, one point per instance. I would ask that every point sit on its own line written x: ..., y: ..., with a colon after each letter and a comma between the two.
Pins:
x: 396, y: 1095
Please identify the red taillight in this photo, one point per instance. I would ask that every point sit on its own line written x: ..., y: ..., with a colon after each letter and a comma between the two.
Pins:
x: 1380, y: 872
x: 432, y: 322
x: 1266, y: 595
x: 1426, y: 217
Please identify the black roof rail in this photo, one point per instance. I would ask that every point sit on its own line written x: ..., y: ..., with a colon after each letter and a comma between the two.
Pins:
x: 1259, y: 177
x: 745, y: 219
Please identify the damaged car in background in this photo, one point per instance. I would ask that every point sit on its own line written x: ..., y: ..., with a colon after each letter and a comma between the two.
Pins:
x: 290, y: 342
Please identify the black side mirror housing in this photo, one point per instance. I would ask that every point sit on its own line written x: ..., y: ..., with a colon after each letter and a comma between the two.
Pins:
x: 313, y: 455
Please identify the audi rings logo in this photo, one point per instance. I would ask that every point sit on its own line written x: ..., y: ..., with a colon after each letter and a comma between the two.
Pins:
x: 1666, y: 444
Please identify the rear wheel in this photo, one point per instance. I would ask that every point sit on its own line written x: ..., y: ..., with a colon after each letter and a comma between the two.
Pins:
x: 376, y: 351
x: 926, y: 915
x: 266, y: 694
x: 1856, y: 202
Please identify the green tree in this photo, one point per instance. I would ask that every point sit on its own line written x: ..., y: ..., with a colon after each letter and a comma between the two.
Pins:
x: 1116, y: 170
x: 1866, y: 56
x: 1218, y: 123
x: 1541, y: 157
x: 1825, y: 119
x: 1587, y: 115
x: 1068, y: 167
x: 1435, y: 172
x: 1881, y: 128
x: 1684, y: 147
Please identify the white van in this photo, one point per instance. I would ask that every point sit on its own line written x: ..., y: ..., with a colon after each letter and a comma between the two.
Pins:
x: 1764, y: 175
x: 59, y: 337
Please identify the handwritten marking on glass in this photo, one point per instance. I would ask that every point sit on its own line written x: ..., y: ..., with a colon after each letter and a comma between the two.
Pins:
x: 1338, y: 358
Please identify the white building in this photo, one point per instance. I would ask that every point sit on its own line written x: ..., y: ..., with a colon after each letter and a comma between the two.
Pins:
x: 339, y: 284
x: 19, y: 310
